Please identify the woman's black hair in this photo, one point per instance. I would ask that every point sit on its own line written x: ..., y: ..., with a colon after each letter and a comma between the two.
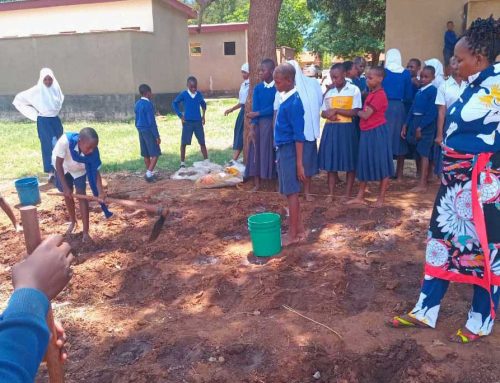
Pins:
x: 483, y: 37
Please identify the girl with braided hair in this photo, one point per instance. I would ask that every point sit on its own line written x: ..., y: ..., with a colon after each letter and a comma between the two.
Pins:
x: 463, y: 243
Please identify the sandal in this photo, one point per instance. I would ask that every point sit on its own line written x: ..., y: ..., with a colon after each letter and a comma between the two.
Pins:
x: 461, y: 337
x: 400, y: 322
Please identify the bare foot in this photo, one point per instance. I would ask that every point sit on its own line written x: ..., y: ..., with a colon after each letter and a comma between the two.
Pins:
x: 86, y: 238
x: 329, y: 198
x: 72, y: 226
x: 309, y: 198
x: 419, y: 189
x: 287, y: 240
x: 357, y: 201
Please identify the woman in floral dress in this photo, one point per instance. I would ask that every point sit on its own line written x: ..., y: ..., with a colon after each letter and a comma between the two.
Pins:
x: 464, y: 233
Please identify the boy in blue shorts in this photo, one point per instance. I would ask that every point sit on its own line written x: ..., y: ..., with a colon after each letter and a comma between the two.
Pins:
x: 193, y: 118
x: 149, y: 137
x: 289, y: 138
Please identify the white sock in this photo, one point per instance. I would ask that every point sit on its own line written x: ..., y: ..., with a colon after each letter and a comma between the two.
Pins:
x: 149, y: 174
x: 183, y: 163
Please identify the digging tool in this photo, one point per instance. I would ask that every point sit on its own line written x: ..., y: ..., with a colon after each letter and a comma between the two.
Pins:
x: 33, y: 238
x: 159, y: 210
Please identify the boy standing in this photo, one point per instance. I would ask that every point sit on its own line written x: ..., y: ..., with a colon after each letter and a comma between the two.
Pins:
x: 450, y: 39
x: 149, y: 137
x: 289, y: 138
x: 76, y: 158
x: 192, y: 119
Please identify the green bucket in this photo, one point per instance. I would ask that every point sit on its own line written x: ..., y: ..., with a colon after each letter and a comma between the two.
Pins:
x: 265, y: 233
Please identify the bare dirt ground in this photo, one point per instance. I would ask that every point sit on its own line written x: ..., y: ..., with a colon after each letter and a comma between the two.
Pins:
x: 196, y: 306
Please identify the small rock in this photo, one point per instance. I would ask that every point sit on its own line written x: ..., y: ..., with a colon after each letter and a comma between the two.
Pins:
x: 221, y: 359
x: 256, y: 313
x: 317, y: 375
x: 212, y: 359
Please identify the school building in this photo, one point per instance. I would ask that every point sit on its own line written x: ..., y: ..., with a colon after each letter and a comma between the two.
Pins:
x: 99, y: 50
x: 216, y: 53
x: 417, y: 28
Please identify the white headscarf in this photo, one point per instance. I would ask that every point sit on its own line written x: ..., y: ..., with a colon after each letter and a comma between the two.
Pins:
x: 245, y: 68
x: 310, y: 93
x: 40, y: 100
x: 438, y: 67
x: 393, y: 61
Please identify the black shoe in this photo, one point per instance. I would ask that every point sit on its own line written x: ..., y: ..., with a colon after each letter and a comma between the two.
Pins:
x: 149, y: 179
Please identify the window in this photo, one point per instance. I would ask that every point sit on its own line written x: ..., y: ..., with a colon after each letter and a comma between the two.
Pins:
x: 229, y: 48
x: 195, y: 49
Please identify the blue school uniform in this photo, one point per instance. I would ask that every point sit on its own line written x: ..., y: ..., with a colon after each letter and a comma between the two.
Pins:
x: 145, y: 122
x: 192, y: 116
x: 49, y: 129
x: 261, y: 154
x: 398, y: 89
x: 422, y: 114
x: 288, y: 130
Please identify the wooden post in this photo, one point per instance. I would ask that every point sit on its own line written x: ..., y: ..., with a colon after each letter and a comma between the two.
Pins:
x: 33, y: 238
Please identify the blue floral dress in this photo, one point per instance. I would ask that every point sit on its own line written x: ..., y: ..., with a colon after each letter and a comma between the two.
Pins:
x: 464, y: 233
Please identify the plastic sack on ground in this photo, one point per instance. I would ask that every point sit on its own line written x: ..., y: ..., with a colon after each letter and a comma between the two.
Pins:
x: 232, y: 175
x: 199, y: 169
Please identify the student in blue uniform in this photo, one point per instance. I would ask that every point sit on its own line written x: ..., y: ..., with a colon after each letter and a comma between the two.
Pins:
x: 260, y: 162
x: 24, y: 334
x: 450, y: 39
x: 414, y: 66
x: 289, y: 137
x: 192, y: 117
x: 149, y: 137
x: 420, y: 127
x: 240, y: 120
x: 359, y: 79
x: 397, y: 87
x: 338, y: 149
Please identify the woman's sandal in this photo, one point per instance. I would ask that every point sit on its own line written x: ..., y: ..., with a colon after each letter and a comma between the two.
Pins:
x: 463, y: 338
x: 400, y: 322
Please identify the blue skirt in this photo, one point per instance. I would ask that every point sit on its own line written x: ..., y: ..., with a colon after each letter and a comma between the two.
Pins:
x: 286, y: 165
x: 422, y: 147
x: 261, y: 155
x: 238, y: 130
x: 338, y: 148
x: 396, y: 116
x: 310, y: 158
x: 375, y: 155
x: 49, y: 130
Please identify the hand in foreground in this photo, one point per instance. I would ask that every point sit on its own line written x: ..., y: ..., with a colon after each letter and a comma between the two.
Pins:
x: 403, y: 132
x: 252, y: 114
x: 227, y: 111
x: 300, y: 173
x: 47, y: 269
x: 60, y: 342
x: 158, y: 140
x: 438, y: 140
x: 203, y: 121
x: 418, y: 134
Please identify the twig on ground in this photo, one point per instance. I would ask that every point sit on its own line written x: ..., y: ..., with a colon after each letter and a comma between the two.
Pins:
x: 312, y: 320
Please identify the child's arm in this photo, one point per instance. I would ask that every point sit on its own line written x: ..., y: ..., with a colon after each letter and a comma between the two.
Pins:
x: 175, y: 106
x: 100, y: 188
x: 356, y: 105
x: 365, y: 114
x: 152, y: 123
x: 346, y: 112
x: 299, y: 148
x: 232, y: 109
x: 254, y: 114
x: 298, y: 124
x: 203, y: 108
x: 60, y: 175
x: 440, y: 124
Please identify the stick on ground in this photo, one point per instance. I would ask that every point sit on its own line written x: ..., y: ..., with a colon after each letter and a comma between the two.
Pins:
x: 312, y: 320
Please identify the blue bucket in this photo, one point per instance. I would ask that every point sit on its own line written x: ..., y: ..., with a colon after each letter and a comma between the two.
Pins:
x: 27, y: 190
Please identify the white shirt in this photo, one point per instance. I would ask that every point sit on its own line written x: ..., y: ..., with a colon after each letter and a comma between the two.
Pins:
x: 245, y: 85
x: 61, y: 150
x: 268, y: 85
x: 349, y: 90
x: 449, y: 92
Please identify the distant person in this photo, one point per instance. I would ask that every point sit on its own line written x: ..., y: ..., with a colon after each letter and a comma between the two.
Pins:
x: 76, y: 158
x: 450, y: 39
x: 260, y: 163
x: 360, y: 79
x: 311, y: 96
x: 240, y: 120
x: 375, y: 145
x: 398, y: 88
x: 414, y: 66
x: 192, y: 117
x: 289, y: 138
x: 4, y: 205
x: 42, y: 103
x: 420, y: 127
x: 338, y: 149
x: 439, y: 77
x: 149, y: 137
x: 24, y: 334
x: 447, y: 94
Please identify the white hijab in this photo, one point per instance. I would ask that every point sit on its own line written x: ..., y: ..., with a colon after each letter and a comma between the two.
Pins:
x: 40, y: 100
x: 438, y: 67
x: 312, y: 97
x: 393, y: 61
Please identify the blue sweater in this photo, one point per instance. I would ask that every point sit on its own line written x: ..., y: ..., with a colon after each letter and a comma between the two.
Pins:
x: 424, y: 104
x: 289, y: 126
x: 450, y: 39
x: 145, y: 117
x: 191, y: 105
x: 263, y: 101
x: 24, y: 336
x: 397, y: 86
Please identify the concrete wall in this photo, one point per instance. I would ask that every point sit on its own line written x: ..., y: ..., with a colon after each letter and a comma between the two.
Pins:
x: 482, y: 8
x: 215, y: 71
x: 78, y: 18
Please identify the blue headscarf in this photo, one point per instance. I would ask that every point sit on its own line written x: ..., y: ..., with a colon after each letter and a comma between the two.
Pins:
x: 92, y: 163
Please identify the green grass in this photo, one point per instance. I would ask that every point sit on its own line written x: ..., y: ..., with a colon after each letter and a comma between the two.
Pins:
x: 20, y: 155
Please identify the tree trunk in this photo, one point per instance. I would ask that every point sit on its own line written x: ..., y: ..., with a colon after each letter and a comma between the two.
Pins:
x: 375, y: 57
x: 262, y: 25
